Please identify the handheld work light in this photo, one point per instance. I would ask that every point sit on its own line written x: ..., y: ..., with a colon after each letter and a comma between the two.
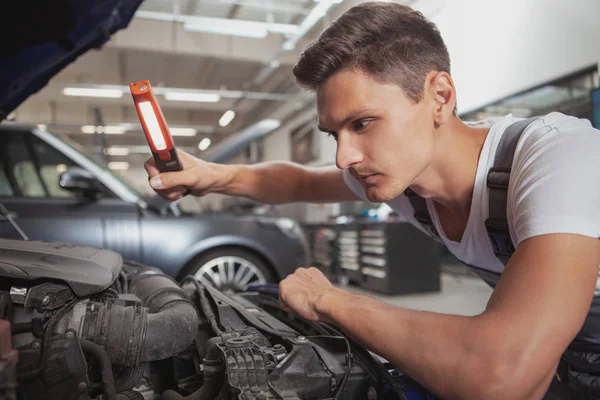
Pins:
x: 155, y: 127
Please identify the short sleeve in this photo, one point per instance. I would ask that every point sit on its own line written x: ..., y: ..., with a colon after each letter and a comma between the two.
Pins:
x: 555, y: 182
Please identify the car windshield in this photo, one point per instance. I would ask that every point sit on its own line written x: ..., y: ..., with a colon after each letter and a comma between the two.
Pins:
x: 101, y: 163
x: 154, y: 201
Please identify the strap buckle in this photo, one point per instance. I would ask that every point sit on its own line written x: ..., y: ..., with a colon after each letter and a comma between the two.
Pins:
x: 427, y: 223
x: 499, y: 235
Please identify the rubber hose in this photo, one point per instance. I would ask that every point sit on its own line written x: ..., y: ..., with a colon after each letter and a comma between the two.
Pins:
x: 108, y: 380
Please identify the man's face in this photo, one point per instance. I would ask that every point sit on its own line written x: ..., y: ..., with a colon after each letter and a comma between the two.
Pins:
x: 384, y: 139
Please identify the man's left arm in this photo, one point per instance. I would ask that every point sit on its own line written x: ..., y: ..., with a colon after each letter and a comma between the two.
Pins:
x: 511, y: 350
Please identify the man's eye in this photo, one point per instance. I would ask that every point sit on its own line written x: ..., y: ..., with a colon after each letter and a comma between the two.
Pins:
x: 361, y: 124
x: 333, y: 135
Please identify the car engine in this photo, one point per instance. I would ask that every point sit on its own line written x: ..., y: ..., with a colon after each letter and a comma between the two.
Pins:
x: 86, y: 325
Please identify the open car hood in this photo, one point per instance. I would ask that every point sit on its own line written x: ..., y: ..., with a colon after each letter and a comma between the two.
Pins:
x: 44, y: 36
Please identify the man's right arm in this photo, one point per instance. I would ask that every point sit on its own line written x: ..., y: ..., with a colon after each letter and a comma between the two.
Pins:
x: 269, y: 182
x: 285, y: 182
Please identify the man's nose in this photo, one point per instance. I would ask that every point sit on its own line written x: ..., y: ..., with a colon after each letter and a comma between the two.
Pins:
x: 347, y: 153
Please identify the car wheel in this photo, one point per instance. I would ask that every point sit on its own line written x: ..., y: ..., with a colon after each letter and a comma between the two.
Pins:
x: 231, y: 269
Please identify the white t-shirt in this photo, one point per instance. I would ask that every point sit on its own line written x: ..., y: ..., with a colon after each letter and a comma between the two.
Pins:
x: 554, y: 187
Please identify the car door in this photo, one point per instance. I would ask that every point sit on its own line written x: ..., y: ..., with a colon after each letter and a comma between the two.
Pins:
x: 32, y: 194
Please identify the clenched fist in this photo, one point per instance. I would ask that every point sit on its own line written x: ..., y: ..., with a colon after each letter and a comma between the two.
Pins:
x: 199, y: 176
x: 302, y: 291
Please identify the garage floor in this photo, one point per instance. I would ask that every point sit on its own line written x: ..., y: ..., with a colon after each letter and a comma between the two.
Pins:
x: 460, y: 294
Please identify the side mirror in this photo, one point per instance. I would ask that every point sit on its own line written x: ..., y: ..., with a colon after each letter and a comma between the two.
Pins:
x: 79, y: 181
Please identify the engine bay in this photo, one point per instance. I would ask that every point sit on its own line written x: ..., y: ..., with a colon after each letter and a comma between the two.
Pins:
x: 86, y: 325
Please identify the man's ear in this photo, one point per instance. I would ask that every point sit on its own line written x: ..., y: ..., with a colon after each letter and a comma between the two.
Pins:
x: 442, y: 94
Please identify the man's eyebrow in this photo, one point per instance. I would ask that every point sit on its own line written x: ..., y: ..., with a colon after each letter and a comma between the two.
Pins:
x: 353, y: 114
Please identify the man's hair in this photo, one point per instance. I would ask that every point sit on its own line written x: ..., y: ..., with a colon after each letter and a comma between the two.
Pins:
x: 390, y: 42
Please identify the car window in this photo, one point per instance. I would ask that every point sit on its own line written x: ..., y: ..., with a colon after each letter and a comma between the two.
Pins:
x: 51, y: 163
x: 28, y: 180
x: 18, y: 165
x: 5, y: 186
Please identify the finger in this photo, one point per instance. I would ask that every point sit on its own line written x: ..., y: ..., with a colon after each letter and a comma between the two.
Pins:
x: 150, y: 167
x: 175, y: 193
x: 169, y: 180
x: 283, y: 305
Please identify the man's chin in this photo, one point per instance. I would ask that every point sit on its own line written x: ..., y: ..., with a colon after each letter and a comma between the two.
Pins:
x: 377, y: 195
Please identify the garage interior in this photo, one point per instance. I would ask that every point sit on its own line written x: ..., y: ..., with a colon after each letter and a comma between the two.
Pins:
x: 230, y: 64
x: 222, y: 73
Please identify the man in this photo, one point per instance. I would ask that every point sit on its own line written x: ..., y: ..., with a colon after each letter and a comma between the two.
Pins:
x: 381, y: 74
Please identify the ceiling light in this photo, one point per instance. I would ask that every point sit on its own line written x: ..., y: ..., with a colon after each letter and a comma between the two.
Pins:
x: 114, y: 130
x: 108, y: 129
x: 183, y: 131
x: 89, y: 92
x: 226, y: 118
x: 204, y: 144
x: 250, y: 29
x: 200, y: 97
x: 118, y: 165
x: 117, y: 151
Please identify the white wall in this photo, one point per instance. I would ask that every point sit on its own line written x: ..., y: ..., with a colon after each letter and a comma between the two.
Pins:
x: 498, y: 48
x: 276, y: 146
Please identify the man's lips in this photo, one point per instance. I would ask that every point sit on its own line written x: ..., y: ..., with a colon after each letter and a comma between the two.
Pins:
x: 367, y: 178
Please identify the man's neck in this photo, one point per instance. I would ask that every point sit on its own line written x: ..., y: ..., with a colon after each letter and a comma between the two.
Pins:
x: 450, y: 178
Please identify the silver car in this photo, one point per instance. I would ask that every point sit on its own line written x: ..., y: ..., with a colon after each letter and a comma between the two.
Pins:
x: 55, y: 192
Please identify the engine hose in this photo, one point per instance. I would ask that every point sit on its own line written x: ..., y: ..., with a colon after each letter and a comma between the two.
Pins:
x: 130, y: 395
x: 129, y: 378
x: 108, y: 380
x: 213, y: 371
x: 162, y: 326
x: 21, y: 327
x: 169, y: 310
x: 213, y: 382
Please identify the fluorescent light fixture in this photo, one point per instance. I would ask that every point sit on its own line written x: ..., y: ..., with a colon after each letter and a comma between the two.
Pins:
x: 229, y: 27
x: 183, y: 131
x: 117, y: 151
x: 237, y: 27
x: 114, y: 130
x: 199, y: 97
x: 152, y: 124
x: 223, y: 26
x: 118, y: 165
x: 89, y: 92
x: 204, y: 144
x: 227, y: 117
x: 108, y: 129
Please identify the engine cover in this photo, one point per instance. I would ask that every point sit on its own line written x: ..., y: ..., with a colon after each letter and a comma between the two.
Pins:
x: 87, y: 270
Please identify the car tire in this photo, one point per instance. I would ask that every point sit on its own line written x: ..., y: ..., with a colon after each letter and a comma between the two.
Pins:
x: 231, y: 268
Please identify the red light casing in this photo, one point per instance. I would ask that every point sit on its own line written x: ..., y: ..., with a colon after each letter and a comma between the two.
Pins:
x: 155, y: 127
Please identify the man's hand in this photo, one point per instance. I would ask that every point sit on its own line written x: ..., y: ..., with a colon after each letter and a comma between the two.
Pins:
x: 199, y: 176
x: 301, y: 292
